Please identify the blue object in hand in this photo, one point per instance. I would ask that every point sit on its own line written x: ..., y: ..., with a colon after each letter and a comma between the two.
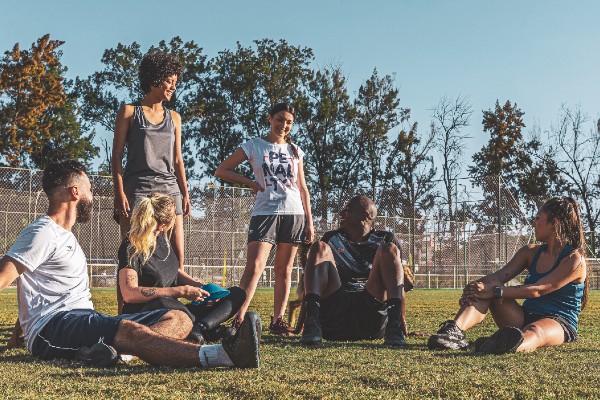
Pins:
x: 216, y: 292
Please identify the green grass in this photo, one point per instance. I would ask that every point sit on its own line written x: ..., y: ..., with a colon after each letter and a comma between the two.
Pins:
x: 337, y: 370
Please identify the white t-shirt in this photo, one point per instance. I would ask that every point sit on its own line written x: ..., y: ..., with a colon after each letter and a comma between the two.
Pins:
x: 55, y: 278
x: 276, y: 170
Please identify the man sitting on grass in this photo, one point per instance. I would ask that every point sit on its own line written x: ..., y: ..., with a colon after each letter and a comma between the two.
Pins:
x: 354, y: 281
x: 55, y: 310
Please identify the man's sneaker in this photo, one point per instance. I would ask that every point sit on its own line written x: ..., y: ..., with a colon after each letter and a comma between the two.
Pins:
x: 99, y: 355
x: 218, y: 333
x: 280, y: 327
x: 505, y: 340
x: 242, y: 348
x: 235, y: 324
x: 450, y: 336
x: 312, y: 331
x: 394, y: 335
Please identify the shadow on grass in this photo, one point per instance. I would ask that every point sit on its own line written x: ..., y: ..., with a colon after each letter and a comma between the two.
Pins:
x: 294, y: 341
x: 70, y: 369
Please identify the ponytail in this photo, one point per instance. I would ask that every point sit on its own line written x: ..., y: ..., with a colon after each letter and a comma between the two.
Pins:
x: 569, y: 229
x: 147, y: 214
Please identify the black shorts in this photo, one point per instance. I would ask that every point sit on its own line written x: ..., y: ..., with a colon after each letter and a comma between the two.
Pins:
x: 570, y: 332
x: 349, y: 315
x: 277, y: 228
x: 67, y: 331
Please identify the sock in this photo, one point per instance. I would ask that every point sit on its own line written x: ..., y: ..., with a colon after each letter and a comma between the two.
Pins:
x: 213, y: 356
x: 394, y: 308
x: 312, y: 302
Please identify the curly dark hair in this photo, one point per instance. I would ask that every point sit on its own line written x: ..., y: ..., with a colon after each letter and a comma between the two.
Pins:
x: 157, y: 66
x: 60, y: 174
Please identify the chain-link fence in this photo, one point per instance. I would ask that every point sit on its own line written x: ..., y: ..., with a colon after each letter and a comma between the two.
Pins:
x: 485, y: 227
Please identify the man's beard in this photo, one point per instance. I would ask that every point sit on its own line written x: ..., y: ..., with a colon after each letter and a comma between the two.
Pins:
x: 84, y: 210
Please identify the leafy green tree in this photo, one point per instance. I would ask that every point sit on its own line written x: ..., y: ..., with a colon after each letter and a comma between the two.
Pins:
x: 326, y: 132
x: 38, y: 120
x: 378, y: 111
x: 242, y: 85
x: 104, y: 92
x: 408, y: 185
x: 68, y: 140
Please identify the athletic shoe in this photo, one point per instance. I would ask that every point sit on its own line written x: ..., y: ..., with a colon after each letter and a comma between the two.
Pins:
x: 235, y: 324
x: 505, y: 340
x: 197, y: 335
x: 394, y: 335
x: 449, y: 336
x: 218, y: 333
x: 312, y: 331
x: 242, y: 348
x: 280, y: 327
x: 479, y: 342
x: 99, y: 355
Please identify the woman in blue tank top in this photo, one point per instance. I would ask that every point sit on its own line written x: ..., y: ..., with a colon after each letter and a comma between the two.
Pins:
x: 555, y: 290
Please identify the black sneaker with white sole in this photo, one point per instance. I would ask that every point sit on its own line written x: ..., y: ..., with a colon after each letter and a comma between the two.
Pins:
x: 504, y: 340
x: 100, y: 355
x: 311, y: 333
x: 448, y: 337
x: 243, y: 347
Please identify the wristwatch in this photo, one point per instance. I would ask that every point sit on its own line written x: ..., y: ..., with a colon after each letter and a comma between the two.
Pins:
x: 498, y: 292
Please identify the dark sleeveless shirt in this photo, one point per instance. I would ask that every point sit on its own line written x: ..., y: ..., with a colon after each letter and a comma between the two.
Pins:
x: 150, y: 156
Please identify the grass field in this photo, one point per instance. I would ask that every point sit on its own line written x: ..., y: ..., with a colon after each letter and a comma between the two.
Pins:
x: 336, y: 370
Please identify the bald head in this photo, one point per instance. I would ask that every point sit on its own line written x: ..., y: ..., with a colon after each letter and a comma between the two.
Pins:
x: 362, y: 206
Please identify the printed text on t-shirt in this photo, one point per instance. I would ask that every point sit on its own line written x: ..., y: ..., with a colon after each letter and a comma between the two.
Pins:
x: 277, y: 167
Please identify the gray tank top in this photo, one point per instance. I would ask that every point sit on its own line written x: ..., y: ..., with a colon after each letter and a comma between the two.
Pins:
x: 150, y: 154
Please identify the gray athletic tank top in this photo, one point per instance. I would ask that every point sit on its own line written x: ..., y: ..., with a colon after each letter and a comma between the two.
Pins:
x: 150, y: 155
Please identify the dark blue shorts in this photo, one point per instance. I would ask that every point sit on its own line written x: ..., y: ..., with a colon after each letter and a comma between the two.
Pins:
x: 67, y: 331
x: 570, y: 332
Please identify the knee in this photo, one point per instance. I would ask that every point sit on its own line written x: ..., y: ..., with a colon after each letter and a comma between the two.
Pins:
x: 389, y: 249
x: 178, y: 318
x: 535, y: 331
x: 319, y: 251
x: 489, y: 280
x: 237, y: 295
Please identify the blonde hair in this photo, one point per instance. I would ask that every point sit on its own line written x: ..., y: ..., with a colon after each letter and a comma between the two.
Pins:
x: 147, y: 214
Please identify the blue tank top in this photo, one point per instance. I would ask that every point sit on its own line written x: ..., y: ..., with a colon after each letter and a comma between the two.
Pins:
x: 564, y: 302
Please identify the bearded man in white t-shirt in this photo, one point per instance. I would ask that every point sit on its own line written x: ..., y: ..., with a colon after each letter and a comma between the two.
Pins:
x: 55, y: 308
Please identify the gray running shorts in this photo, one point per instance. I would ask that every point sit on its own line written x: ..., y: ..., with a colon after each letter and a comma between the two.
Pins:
x: 277, y: 228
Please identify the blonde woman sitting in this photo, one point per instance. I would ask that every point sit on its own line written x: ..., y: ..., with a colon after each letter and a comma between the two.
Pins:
x: 150, y: 278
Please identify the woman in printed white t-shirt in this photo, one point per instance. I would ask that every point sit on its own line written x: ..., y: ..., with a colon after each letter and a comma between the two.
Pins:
x: 281, y: 215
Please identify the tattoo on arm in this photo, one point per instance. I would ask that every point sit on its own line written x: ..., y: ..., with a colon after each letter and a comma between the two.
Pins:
x: 147, y: 292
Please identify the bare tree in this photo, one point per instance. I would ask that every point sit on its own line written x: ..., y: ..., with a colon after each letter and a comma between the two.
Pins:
x: 449, y: 118
x: 578, y: 159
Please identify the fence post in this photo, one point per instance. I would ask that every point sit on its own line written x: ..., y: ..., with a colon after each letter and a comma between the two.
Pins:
x: 428, y: 279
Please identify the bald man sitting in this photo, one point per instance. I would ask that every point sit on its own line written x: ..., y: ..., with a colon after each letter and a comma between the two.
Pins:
x: 354, y: 281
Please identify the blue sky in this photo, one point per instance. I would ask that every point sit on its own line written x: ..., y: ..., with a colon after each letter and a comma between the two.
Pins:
x: 539, y: 54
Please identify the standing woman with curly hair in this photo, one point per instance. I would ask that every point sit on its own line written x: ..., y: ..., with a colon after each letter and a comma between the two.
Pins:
x: 281, y: 215
x: 152, y: 134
